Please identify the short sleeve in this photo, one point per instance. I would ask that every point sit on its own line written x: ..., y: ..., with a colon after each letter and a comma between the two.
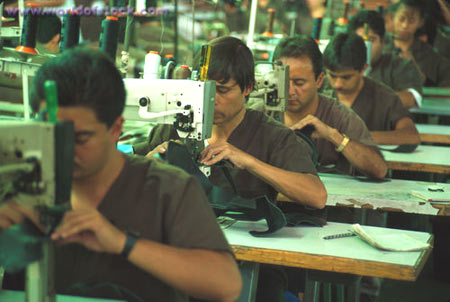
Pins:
x: 191, y: 223
x: 396, y: 112
x: 406, y: 76
x: 292, y: 153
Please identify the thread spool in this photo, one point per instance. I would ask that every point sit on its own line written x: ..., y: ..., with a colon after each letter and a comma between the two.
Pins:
x: 183, y: 72
x: 344, y: 19
x: 317, y: 25
x: 109, y: 36
x: 269, y: 27
x: 29, y: 32
x: 70, y: 32
x: 152, y: 65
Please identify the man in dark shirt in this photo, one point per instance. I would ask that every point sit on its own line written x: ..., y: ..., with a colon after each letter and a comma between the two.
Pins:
x: 267, y: 157
x: 378, y: 105
x: 399, y: 73
x: 341, y: 136
x: 115, y: 196
x: 408, y: 18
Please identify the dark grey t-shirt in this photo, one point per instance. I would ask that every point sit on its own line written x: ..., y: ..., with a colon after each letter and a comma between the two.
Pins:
x: 161, y: 203
x: 396, y: 72
x: 379, y: 106
x: 435, y: 66
x: 262, y: 137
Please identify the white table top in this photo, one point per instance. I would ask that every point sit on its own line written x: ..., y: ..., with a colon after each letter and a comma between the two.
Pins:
x: 297, y: 244
x: 391, y: 195
x: 433, y: 129
x: 424, y: 158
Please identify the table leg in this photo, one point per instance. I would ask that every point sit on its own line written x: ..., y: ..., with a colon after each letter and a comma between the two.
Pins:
x: 249, y: 273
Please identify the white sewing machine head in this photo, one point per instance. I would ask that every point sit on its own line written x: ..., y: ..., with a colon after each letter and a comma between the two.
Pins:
x: 186, y: 104
x: 271, y: 86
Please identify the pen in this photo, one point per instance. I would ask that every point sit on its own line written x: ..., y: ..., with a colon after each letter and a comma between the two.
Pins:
x: 339, y: 236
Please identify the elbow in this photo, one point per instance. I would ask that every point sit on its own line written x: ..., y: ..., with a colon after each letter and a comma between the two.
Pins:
x: 381, y: 171
x: 232, y: 291
x: 319, y: 196
x: 322, y: 196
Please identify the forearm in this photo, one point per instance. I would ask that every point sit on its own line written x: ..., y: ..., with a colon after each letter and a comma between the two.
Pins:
x: 407, y: 98
x: 366, y: 159
x: 396, y: 137
x: 199, y: 273
x: 303, y: 188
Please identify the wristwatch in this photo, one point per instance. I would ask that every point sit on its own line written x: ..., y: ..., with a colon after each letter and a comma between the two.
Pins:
x: 130, y: 242
x: 343, y: 143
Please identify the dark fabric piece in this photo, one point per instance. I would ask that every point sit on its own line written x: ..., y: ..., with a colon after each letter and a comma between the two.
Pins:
x: 432, y: 64
x: 396, y: 72
x: 346, y: 121
x: 161, y: 203
x: 262, y: 137
x: 379, y: 106
x: 225, y: 203
x: 20, y: 245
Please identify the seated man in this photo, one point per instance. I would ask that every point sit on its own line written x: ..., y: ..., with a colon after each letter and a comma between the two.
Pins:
x: 341, y: 136
x: 115, y: 195
x: 407, y: 19
x: 401, y: 74
x: 378, y: 105
x: 48, y: 34
x: 268, y: 157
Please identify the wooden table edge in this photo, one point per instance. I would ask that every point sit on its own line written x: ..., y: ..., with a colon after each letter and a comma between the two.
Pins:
x: 331, y: 263
x: 418, y: 167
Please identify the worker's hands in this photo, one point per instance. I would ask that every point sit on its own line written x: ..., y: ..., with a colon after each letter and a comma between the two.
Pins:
x: 322, y: 130
x: 161, y: 149
x: 88, y: 227
x: 12, y: 213
x: 219, y: 151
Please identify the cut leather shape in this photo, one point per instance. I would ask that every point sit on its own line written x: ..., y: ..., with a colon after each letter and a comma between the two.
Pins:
x: 405, y: 148
x: 225, y: 203
x: 296, y: 219
x: 305, y: 133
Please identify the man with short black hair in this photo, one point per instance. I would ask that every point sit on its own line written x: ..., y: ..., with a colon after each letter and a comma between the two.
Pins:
x: 380, y: 108
x: 341, y: 136
x: 401, y: 74
x: 48, y: 34
x: 133, y: 222
x: 268, y: 158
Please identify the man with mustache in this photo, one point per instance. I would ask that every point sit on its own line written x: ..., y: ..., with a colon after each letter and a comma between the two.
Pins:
x: 378, y: 105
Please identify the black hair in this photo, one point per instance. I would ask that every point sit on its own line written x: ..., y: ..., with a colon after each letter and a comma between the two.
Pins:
x: 345, y: 51
x: 48, y: 27
x: 374, y: 19
x: 298, y: 46
x: 418, y: 5
x: 230, y: 59
x: 86, y: 78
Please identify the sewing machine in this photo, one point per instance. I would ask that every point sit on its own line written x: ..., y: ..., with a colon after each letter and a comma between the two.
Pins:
x: 271, y: 86
x: 36, y: 161
x: 186, y: 104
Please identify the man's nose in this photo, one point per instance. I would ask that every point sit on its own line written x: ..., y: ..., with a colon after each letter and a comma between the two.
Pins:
x: 291, y: 89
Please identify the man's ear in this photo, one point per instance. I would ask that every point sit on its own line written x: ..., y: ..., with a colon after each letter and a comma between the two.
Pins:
x: 116, y: 128
x: 248, y: 90
x: 319, y: 80
x: 363, y: 70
